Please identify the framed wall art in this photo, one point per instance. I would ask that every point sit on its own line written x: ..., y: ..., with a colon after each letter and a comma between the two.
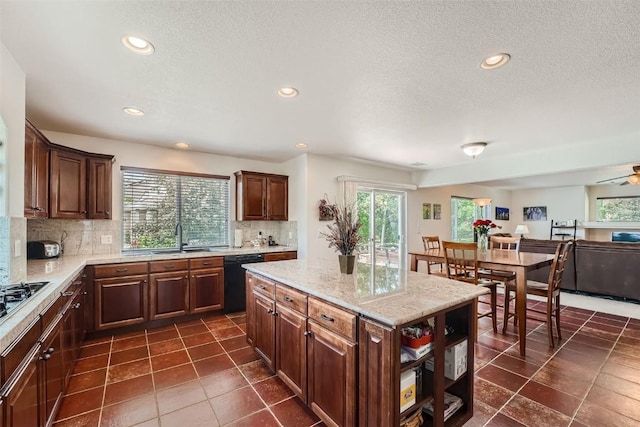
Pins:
x: 534, y: 213
x: 502, y: 214
x: 437, y: 211
x: 426, y: 211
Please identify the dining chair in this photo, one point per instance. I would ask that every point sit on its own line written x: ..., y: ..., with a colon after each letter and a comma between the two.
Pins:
x: 503, y: 243
x: 550, y: 290
x: 461, y: 263
x: 432, y: 243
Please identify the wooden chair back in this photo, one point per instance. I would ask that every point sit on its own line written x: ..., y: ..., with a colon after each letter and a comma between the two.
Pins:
x: 557, y: 268
x: 431, y: 242
x: 504, y: 243
x: 461, y: 261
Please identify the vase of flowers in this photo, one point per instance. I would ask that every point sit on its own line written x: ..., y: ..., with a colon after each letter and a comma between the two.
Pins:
x: 482, y: 227
x: 343, y: 235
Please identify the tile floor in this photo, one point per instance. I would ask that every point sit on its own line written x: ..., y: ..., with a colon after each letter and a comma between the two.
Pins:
x: 202, y: 373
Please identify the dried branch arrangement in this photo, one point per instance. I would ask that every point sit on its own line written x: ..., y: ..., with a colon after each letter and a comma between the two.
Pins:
x: 343, y: 232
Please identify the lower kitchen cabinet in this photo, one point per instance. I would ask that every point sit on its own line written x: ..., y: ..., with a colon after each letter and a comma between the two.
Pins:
x: 51, y: 371
x: 73, y: 331
x: 168, y: 294
x: 265, y: 327
x: 206, y: 284
x: 21, y: 393
x: 121, y: 301
x: 291, y: 350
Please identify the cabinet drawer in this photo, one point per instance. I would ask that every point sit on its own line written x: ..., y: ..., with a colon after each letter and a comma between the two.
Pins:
x: 168, y: 265
x: 208, y: 262
x: 333, y: 318
x: 264, y: 286
x: 118, y: 270
x: 280, y: 256
x: 291, y: 298
x: 13, y: 355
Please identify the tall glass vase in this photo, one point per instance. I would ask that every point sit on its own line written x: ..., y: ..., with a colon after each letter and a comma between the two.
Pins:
x: 483, y: 242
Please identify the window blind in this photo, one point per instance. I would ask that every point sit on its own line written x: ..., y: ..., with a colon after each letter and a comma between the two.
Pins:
x: 155, y: 202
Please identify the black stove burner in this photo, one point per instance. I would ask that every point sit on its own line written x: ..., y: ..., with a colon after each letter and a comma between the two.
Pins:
x: 13, y: 295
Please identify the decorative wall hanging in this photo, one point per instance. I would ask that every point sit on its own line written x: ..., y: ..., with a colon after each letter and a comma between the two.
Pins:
x: 502, y: 214
x: 535, y: 213
x: 325, y: 210
x: 426, y: 211
x: 437, y: 211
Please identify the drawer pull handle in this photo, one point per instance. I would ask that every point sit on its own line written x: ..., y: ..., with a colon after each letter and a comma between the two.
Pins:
x: 121, y: 270
x: 262, y: 287
x: 77, y: 282
x: 67, y: 294
x: 84, y: 293
x: 207, y: 263
x: 270, y: 311
x: 287, y: 299
x: 307, y: 333
x: 325, y: 317
x: 76, y: 305
x: 169, y: 266
x: 45, y: 357
x: 49, y: 350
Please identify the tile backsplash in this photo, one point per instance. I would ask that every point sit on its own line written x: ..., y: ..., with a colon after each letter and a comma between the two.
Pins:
x: 77, y: 237
x: 285, y: 233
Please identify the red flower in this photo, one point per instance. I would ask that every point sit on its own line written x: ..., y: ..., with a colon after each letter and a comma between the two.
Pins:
x: 482, y: 226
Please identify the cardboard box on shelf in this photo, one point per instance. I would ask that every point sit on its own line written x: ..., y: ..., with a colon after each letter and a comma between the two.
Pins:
x: 407, y: 389
x: 455, y: 361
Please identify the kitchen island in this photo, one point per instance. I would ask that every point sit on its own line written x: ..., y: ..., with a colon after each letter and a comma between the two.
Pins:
x: 335, y: 339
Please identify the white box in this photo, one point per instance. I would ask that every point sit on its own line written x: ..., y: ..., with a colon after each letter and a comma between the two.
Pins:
x: 455, y: 361
x: 417, y: 353
x: 407, y: 389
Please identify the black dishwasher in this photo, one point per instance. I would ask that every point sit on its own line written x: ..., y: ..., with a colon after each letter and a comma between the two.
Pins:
x: 234, y: 275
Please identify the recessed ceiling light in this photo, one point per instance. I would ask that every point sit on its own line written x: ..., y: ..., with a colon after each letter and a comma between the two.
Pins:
x: 288, y: 92
x: 474, y: 148
x: 495, y: 61
x: 417, y: 164
x: 301, y: 145
x: 133, y: 111
x: 182, y: 145
x: 138, y: 45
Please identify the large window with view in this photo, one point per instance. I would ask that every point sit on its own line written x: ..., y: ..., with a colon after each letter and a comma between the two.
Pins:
x: 172, y: 210
x: 618, y: 209
x: 463, y: 213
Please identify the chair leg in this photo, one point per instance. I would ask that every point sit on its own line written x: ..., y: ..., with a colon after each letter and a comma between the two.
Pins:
x: 507, y: 302
x: 475, y: 320
x: 558, y: 317
x: 494, y: 309
x: 549, y: 322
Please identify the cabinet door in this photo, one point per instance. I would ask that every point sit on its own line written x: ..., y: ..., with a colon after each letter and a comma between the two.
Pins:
x: 206, y: 290
x: 254, y: 195
x: 291, y: 350
x: 250, y: 281
x: 36, y: 175
x: 265, y: 329
x: 68, y: 190
x: 331, y: 370
x: 277, y: 198
x: 168, y: 294
x: 22, y: 394
x: 99, y: 188
x: 51, y: 371
x: 121, y: 301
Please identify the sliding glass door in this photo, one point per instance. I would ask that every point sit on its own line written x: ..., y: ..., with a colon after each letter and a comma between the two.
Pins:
x: 383, y: 218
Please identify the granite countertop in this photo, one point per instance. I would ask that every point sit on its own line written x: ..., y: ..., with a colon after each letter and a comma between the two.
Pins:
x: 388, y: 295
x: 59, y: 272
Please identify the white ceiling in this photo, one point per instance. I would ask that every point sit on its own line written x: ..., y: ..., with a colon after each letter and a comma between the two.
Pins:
x: 392, y: 82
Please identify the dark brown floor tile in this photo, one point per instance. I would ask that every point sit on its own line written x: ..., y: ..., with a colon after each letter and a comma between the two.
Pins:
x: 608, y: 316
x: 204, y: 351
x: 235, y: 343
x: 591, y: 361
x: 493, y: 343
x: 577, y: 369
x: 223, y: 382
x: 259, y: 419
x: 174, y: 376
x: 609, y: 328
x: 575, y: 423
x: 623, y: 359
x: 226, y: 333
x: 566, y: 382
x: 128, y: 370
x: 532, y: 356
x: 95, y: 349
x: 632, y: 332
x: 241, y: 318
x: 273, y: 390
x: 193, y: 329
x: 534, y: 414
x: 593, y: 341
x: 510, y: 338
x: 181, y: 396
x: 621, y: 371
x: 594, y: 415
x: 236, y: 404
x: 129, y: 355
x: 628, y: 350
x: 244, y: 355
x: 78, y: 403
x: 127, y: 343
x: 481, y: 414
x: 540, y: 345
x: 220, y: 323
x: 500, y: 420
x: 87, y: 380
x: 550, y: 397
x: 198, y: 415
x: 91, y: 363
x: 213, y: 364
x: 169, y: 360
x: 165, y: 346
x: 588, y: 349
x: 130, y: 412
x: 626, y: 340
x: 490, y: 393
x: 516, y: 365
x: 128, y: 389
x: 97, y: 340
x: 615, y: 402
x: 164, y: 335
x: 292, y: 412
x: 198, y: 339
x: 501, y: 377
x: 89, y: 419
x: 619, y: 385
x: 256, y: 371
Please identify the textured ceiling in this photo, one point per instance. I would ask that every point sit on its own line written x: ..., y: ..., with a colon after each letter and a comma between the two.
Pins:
x: 388, y: 82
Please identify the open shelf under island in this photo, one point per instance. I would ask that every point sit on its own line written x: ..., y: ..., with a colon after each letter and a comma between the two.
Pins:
x: 335, y: 339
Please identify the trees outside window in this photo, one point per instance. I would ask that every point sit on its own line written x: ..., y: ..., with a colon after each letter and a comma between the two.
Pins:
x: 618, y: 209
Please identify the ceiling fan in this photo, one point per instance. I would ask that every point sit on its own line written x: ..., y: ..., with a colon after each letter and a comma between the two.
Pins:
x: 633, y: 179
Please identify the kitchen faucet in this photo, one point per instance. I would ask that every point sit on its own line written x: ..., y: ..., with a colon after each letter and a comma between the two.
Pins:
x: 178, y: 234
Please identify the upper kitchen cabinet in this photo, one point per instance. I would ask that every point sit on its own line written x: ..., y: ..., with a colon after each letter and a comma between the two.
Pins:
x: 68, y: 185
x: 261, y: 197
x: 36, y: 173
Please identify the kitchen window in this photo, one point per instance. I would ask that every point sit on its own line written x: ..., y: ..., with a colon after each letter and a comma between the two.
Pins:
x: 171, y: 210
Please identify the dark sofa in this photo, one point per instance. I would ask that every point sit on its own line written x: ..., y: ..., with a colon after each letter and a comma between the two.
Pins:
x: 605, y: 268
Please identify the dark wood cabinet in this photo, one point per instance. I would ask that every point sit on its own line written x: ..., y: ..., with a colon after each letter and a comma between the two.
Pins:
x: 22, y: 392
x: 280, y: 256
x: 99, y: 193
x: 121, y: 301
x: 206, y: 290
x: 36, y: 174
x: 51, y: 371
x: 73, y: 331
x: 250, y: 281
x: 68, y: 185
x: 169, y: 294
x: 265, y: 328
x: 291, y: 350
x: 261, y: 196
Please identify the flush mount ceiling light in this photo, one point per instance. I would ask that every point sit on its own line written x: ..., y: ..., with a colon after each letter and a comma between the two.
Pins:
x: 288, y: 92
x: 133, y: 111
x: 182, y: 145
x: 138, y: 45
x: 417, y: 164
x: 301, y: 145
x: 473, y: 148
x: 495, y: 61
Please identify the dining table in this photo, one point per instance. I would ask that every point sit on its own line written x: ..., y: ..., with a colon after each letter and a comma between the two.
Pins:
x: 499, y: 259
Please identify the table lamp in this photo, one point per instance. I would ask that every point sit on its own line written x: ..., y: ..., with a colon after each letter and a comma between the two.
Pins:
x: 521, y: 230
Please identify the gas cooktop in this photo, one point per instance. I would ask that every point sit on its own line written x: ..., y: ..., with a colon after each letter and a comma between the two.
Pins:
x: 12, y: 296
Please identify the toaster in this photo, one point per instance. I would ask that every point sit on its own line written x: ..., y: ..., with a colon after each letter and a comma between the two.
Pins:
x: 43, y: 249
